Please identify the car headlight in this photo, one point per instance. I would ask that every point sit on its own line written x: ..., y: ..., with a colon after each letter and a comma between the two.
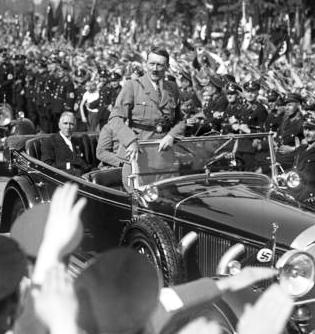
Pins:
x: 293, y: 179
x: 296, y: 272
x: 150, y: 194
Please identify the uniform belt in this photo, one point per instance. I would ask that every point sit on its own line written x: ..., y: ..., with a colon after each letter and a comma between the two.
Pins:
x: 146, y: 127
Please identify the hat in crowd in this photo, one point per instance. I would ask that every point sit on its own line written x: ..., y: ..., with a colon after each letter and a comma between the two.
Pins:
x: 117, y: 293
x: 13, y: 266
x: 102, y: 72
x: 252, y: 86
x: 65, y: 66
x: 170, y: 77
x: 115, y: 76
x: 228, y: 78
x: 42, y: 62
x: 232, y: 88
x: 272, y: 95
x: 28, y: 230
x: 293, y: 97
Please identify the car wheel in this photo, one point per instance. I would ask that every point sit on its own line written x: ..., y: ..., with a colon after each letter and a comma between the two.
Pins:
x: 153, y: 238
x: 17, y: 209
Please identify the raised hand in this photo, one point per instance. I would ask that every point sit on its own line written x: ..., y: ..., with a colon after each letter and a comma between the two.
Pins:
x: 269, y: 315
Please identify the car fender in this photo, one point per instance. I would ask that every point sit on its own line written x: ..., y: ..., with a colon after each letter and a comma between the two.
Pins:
x: 20, y: 188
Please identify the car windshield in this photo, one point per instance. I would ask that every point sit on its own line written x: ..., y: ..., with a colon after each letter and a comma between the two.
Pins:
x: 193, y: 155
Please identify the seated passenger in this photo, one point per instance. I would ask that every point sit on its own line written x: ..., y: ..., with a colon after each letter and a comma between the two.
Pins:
x: 64, y: 152
x: 107, y: 146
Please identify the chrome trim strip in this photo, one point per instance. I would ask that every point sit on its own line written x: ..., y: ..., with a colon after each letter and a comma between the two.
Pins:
x: 304, y: 239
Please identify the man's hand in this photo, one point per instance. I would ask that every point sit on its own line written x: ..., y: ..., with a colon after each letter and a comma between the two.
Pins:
x: 285, y: 149
x: 247, y: 277
x: 166, y: 142
x: 268, y: 315
x: 63, y: 222
x: 132, y: 151
x: 55, y: 303
x: 63, y: 228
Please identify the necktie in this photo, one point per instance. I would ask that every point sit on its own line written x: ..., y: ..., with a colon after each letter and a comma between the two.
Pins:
x: 158, y: 92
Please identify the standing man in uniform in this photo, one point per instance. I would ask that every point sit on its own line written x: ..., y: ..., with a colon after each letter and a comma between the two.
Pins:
x: 147, y: 108
x: 305, y: 163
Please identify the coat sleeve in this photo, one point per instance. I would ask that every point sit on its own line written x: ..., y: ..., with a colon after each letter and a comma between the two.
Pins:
x: 178, y: 301
x: 119, y: 115
x: 105, y: 150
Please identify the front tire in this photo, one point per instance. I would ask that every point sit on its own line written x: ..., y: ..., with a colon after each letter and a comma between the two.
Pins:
x: 153, y: 238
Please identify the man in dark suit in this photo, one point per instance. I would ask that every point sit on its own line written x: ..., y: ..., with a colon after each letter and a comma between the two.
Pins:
x: 64, y: 152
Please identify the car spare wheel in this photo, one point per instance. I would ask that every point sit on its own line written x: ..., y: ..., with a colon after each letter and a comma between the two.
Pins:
x: 153, y: 238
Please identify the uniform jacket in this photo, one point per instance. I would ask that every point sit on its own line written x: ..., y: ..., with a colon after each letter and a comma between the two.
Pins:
x: 142, y: 99
x: 254, y: 115
x: 107, y: 147
x: 305, y: 167
x: 55, y: 152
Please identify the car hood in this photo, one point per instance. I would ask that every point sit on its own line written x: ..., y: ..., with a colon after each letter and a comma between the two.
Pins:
x: 246, y: 210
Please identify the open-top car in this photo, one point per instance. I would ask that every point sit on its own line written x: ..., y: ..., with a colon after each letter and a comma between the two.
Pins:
x: 205, y: 207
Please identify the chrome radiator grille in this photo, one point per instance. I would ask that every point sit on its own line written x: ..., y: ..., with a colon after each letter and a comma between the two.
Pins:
x: 211, y: 247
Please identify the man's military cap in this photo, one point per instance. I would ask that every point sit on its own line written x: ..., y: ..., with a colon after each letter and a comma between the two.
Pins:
x: 65, y: 66
x: 170, y: 77
x: 232, y: 88
x: 115, y: 76
x: 228, y: 78
x: 252, y: 86
x: 102, y: 71
x: 272, y: 95
x: 293, y: 97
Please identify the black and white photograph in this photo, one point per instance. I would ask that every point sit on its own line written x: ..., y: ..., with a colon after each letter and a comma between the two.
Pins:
x: 157, y: 167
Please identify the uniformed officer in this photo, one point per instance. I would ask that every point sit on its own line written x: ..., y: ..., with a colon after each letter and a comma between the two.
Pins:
x: 106, y: 96
x: 6, y: 77
x: 275, y: 109
x: 150, y: 106
x: 231, y: 116
x: 19, y: 74
x: 115, y: 87
x: 80, y: 77
x: 305, y: 163
x: 254, y: 114
x: 290, y: 131
x: 64, y: 96
x: 41, y: 77
x: 216, y: 103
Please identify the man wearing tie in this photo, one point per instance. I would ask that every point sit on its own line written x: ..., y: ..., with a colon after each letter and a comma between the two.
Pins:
x: 64, y: 152
x: 148, y: 108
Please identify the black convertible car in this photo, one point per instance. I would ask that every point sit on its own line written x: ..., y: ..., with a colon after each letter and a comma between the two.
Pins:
x: 206, y: 207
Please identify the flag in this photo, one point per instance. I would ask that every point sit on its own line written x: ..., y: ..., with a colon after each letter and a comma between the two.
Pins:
x: 54, y: 20
x: 261, y: 54
x: 50, y: 21
x: 282, y: 49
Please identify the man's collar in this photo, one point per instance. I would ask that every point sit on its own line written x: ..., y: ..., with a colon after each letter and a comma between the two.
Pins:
x: 66, y: 139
